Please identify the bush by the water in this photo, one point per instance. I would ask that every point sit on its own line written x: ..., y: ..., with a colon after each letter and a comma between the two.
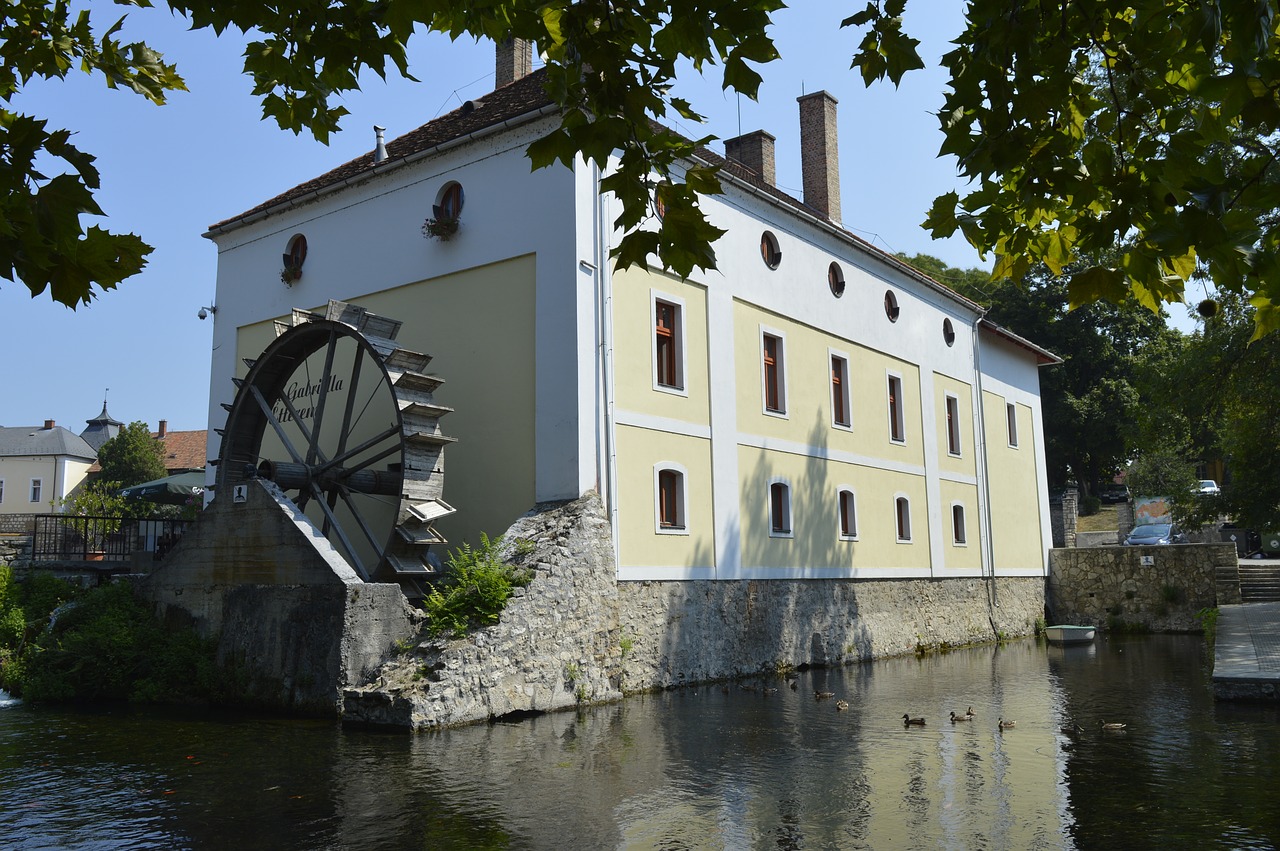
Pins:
x: 474, y: 590
x: 102, y: 644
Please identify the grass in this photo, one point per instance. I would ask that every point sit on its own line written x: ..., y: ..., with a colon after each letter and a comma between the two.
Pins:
x: 1104, y: 521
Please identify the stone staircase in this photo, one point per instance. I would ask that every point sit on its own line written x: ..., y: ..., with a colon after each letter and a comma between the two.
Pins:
x: 1259, y: 583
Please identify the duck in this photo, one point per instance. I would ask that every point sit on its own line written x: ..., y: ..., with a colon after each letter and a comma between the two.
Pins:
x: 970, y: 712
x: 908, y: 721
x: 823, y: 695
x: 1005, y: 725
x: 794, y: 685
x: 842, y: 705
x: 955, y: 719
x: 1113, y: 725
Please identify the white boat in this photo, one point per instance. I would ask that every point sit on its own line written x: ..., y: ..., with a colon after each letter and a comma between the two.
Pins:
x: 1068, y: 634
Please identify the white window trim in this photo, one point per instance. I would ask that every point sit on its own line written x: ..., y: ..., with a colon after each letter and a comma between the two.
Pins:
x: 656, y: 296
x: 848, y: 396
x: 952, y: 425
x: 853, y: 504
x: 682, y: 501
x: 964, y: 516
x: 1, y: 491
x: 31, y: 492
x: 1011, y: 423
x: 782, y: 373
x: 791, y: 518
x: 896, y: 531
x: 901, y: 422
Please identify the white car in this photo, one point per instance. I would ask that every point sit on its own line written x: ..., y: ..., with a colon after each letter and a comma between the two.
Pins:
x: 1208, y: 486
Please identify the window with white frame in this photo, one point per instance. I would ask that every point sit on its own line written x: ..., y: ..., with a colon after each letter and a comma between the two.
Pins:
x: 848, y: 509
x: 1, y: 491
x: 779, y: 509
x: 897, y: 421
x: 1011, y: 417
x: 669, y: 499
x: 958, y: 534
x: 953, y: 425
x: 840, y: 413
x: 902, y: 516
x: 774, y: 372
x: 668, y: 344
x: 37, y: 488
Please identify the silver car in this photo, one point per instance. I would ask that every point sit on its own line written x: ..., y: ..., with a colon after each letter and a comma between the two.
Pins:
x: 1155, y: 534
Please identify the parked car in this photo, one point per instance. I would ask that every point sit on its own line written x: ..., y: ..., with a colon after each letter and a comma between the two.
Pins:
x: 1208, y: 486
x: 1118, y: 493
x: 1155, y: 534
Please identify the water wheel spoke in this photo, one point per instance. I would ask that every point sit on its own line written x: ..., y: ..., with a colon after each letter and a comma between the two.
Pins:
x: 275, y: 424
x: 338, y: 460
x: 333, y: 527
x: 374, y: 542
x: 313, y: 447
x: 351, y: 401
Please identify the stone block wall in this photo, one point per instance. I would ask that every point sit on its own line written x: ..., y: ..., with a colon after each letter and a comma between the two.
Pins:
x: 1112, y: 587
x: 576, y: 634
x: 17, y: 524
x: 1063, y: 517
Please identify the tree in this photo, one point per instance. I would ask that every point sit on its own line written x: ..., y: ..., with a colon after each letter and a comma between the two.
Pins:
x: 1080, y: 124
x: 133, y: 456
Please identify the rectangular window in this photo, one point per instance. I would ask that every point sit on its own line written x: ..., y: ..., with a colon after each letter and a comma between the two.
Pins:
x: 897, y: 429
x: 775, y: 390
x: 902, y: 510
x: 670, y: 499
x: 37, y: 486
x: 1, y: 491
x: 668, y: 354
x: 848, y: 515
x: 1011, y: 416
x: 953, y: 425
x: 779, y: 509
x: 957, y: 524
x: 840, y: 391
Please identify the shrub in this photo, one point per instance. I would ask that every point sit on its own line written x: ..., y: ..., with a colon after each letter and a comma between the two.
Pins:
x: 474, y: 590
x: 1090, y: 505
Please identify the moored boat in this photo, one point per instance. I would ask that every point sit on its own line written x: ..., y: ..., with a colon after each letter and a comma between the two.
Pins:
x: 1069, y: 634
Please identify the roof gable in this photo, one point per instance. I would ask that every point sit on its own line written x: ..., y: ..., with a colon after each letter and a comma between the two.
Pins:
x: 36, y: 440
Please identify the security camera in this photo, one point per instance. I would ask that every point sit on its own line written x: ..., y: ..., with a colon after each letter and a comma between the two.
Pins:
x: 203, y: 314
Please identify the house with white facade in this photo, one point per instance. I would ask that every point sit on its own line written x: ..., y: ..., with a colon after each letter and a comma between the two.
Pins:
x: 40, y: 466
x: 812, y: 408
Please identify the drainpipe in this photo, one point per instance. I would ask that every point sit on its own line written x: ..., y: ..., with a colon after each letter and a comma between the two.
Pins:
x: 984, y: 471
x: 608, y: 469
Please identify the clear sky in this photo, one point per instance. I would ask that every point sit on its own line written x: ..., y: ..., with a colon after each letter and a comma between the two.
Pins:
x: 169, y: 172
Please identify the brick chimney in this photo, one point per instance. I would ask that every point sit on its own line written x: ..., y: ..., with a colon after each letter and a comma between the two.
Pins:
x: 163, y: 429
x: 820, y: 154
x: 48, y: 424
x: 755, y: 151
x: 514, y: 61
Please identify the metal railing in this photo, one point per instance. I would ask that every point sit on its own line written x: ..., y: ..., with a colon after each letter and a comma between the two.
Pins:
x: 61, y: 537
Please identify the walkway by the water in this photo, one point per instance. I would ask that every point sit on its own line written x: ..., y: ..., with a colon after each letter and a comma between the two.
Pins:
x: 1246, y: 664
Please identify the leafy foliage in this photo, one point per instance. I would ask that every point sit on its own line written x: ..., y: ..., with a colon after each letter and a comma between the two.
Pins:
x: 474, y: 591
x: 132, y: 457
x: 25, y: 608
x: 1141, y: 127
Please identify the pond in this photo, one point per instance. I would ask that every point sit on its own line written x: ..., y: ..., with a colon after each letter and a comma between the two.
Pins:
x: 751, y: 764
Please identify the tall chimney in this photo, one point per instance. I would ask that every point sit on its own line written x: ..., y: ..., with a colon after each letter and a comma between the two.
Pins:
x: 755, y: 151
x: 379, y: 144
x: 819, y: 154
x: 48, y: 424
x: 514, y: 61
x: 164, y: 428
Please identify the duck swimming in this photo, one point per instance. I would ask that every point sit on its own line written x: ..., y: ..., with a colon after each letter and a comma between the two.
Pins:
x: 842, y: 705
x: 955, y: 719
x: 908, y: 721
x: 1005, y: 725
x: 1113, y: 725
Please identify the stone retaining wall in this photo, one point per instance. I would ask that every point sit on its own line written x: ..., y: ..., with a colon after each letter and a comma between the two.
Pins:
x: 17, y: 524
x: 576, y: 634
x: 1111, y: 587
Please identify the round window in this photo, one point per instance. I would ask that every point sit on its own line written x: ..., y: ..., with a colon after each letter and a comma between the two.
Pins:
x: 948, y: 332
x: 449, y: 202
x: 835, y: 280
x: 769, y: 251
x: 891, y: 308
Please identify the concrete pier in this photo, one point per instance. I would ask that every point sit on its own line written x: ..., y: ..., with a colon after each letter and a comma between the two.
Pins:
x: 1246, y: 664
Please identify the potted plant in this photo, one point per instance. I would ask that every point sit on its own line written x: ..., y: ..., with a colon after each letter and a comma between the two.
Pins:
x: 441, y: 225
x: 290, y: 274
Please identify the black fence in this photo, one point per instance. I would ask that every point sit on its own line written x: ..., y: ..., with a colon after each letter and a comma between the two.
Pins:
x: 60, y: 537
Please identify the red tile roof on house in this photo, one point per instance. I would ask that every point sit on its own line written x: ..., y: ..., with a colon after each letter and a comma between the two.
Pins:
x: 185, y: 450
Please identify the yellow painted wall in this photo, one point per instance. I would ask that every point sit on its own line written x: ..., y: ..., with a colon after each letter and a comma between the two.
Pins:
x: 966, y: 463
x: 1015, y: 500
x: 814, y: 507
x: 639, y: 449
x: 969, y: 555
x: 478, y: 326
x: 807, y: 364
x: 633, y: 343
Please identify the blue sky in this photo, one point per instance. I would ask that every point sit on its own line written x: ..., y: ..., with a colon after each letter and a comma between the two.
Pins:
x: 169, y: 172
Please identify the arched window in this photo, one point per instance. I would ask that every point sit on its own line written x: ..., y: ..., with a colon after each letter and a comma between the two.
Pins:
x: 779, y: 509
x: 958, y: 534
x: 669, y: 499
x: 848, y: 514
x: 769, y: 251
x: 902, y: 513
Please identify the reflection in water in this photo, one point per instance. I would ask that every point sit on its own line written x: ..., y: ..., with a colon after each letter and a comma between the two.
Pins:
x: 732, y: 766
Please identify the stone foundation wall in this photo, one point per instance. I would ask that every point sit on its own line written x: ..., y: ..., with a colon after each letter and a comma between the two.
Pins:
x: 1111, y: 587
x: 17, y: 524
x: 577, y: 635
